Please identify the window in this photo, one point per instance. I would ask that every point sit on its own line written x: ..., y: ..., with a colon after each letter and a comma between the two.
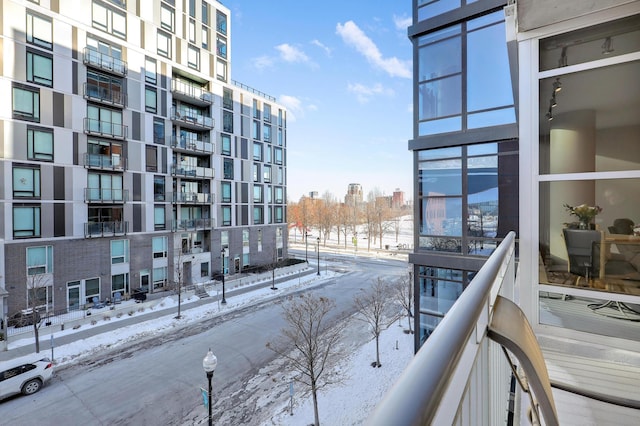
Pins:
x: 104, y: 121
x: 39, y: 30
x: 39, y: 144
x: 258, y: 215
x: 150, y: 100
x: 192, y: 8
x: 119, y: 251
x: 257, y: 151
x: 227, y: 98
x: 227, y: 121
x: 278, y: 155
x: 204, y: 269
x: 193, y: 57
x: 279, y: 214
x: 39, y: 260
x: 92, y: 289
x: 228, y: 168
x: 221, y: 22
x: 158, y: 217
x: 120, y: 284
x: 226, y: 215
x: 105, y: 187
x: 104, y: 87
x: 225, y: 189
x: 221, y: 71
x: 164, y: 44
x: 158, y: 188
x: 167, y: 17
x: 257, y: 194
x: 256, y: 173
x: 159, y: 277
x: 205, y: 38
x: 192, y: 31
x: 279, y: 194
x: 266, y: 129
x: 26, y: 182
x: 26, y: 221
x: 266, y: 174
x: 152, y: 158
x: 39, y: 68
x: 26, y: 103
x: 108, y: 20
x: 104, y: 154
x: 159, y: 247
x: 267, y: 113
x: 158, y: 130
x: 106, y: 55
x: 280, y: 140
x: 256, y: 130
x: 150, y: 71
x: 226, y: 144
x: 221, y: 47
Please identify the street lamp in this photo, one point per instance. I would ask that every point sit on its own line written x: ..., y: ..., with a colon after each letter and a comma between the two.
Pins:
x: 306, y: 246
x: 222, y: 253
x: 318, y: 255
x: 209, y: 364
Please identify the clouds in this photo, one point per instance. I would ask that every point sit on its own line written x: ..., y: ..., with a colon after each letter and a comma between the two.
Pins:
x: 353, y: 36
x: 289, y: 53
x: 365, y: 93
x: 286, y: 53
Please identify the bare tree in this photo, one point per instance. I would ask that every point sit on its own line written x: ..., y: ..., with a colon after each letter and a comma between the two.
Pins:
x: 374, y: 307
x: 342, y: 221
x: 403, y: 294
x: 36, y: 296
x: 327, y: 215
x: 314, y: 340
x: 178, y: 278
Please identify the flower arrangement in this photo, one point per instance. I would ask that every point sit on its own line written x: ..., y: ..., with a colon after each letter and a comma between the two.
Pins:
x: 583, y: 212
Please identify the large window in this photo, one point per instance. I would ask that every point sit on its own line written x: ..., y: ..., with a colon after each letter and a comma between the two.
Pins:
x: 26, y: 182
x: 119, y: 284
x: 150, y: 100
x: 485, y: 73
x: 167, y: 17
x: 119, y: 251
x: 39, y: 144
x: 221, y: 22
x: 150, y: 71
x: 109, y: 20
x: 164, y: 44
x: 158, y: 188
x: 39, y: 260
x: 104, y: 154
x: 159, y: 217
x: 151, y: 158
x: 105, y: 121
x: 26, y: 103
x: 105, y: 87
x: 26, y: 221
x: 226, y: 215
x: 158, y: 130
x: 227, y: 121
x: 225, y: 190
x: 226, y: 144
x: 159, y: 247
x: 105, y: 187
x: 39, y: 68
x: 39, y: 30
x: 228, y: 168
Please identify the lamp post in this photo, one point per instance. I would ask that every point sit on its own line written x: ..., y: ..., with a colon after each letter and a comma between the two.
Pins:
x: 209, y: 364
x: 306, y: 246
x: 222, y: 253
x: 318, y: 255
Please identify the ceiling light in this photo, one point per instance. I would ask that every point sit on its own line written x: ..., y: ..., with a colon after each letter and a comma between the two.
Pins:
x: 552, y: 102
x: 607, y: 46
x: 557, y: 86
x: 562, y: 62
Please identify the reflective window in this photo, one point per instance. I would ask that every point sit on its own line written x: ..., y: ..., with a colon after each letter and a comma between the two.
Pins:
x: 39, y: 68
x: 26, y: 182
x: 226, y: 144
x: 226, y: 215
x: 111, y: 21
x: 221, y: 22
x: 26, y: 221
x: 228, y: 168
x: 158, y: 217
x: 39, y: 144
x: 150, y: 71
x: 39, y: 260
x: 39, y: 30
x: 167, y: 17
x: 225, y: 190
x: 150, y: 100
x: 164, y: 44
x: 26, y: 103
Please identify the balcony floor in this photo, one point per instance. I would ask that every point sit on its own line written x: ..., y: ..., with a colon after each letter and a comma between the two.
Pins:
x: 610, y: 371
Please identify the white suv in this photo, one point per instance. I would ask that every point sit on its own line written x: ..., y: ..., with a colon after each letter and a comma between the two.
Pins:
x: 24, y: 377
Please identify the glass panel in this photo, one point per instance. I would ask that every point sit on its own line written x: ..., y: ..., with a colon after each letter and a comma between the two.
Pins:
x: 440, y: 177
x: 430, y: 8
x: 440, y: 98
x: 440, y: 59
x: 441, y: 216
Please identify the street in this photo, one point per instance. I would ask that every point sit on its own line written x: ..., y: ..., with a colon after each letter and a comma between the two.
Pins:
x: 157, y: 380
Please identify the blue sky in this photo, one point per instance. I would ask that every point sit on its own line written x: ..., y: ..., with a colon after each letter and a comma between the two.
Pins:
x: 343, y: 70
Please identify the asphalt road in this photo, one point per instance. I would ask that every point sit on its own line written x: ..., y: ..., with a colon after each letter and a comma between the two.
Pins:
x: 157, y: 381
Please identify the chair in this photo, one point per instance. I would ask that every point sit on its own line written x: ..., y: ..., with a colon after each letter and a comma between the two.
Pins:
x: 580, y: 249
x: 117, y: 298
x: 97, y: 303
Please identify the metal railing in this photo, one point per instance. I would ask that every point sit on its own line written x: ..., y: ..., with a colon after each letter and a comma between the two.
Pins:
x: 103, y: 61
x: 105, y: 95
x: 192, y: 145
x: 105, y: 229
x: 106, y: 195
x: 193, y: 197
x: 191, y: 90
x: 105, y: 128
x: 193, y: 171
x: 192, y: 119
x: 106, y: 162
x: 192, y: 224
x: 252, y: 90
x: 459, y: 376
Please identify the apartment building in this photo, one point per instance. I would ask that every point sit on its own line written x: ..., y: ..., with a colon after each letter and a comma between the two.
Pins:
x: 523, y: 111
x: 129, y: 157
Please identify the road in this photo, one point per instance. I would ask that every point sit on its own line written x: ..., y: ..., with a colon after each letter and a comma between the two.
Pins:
x: 156, y: 381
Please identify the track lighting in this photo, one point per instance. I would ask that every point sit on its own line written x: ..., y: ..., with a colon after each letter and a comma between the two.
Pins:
x: 557, y: 86
x: 562, y: 62
x: 553, y: 103
x: 607, y: 46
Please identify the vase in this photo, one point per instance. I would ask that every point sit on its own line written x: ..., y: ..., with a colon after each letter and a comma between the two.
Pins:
x: 583, y: 225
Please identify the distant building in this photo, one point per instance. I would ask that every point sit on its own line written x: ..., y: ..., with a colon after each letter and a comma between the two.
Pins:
x: 397, y: 199
x: 314, y: 195
x: 354, y: 194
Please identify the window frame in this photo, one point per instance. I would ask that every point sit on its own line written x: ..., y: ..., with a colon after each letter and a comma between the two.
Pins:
x: 32, y: 144
x: 24, y: 114
x: 119, y: 258
x: 35, y: 180
x: 32, y: 25
x: 36, y: 221
x: 150, y: 99
x: 32, y: 75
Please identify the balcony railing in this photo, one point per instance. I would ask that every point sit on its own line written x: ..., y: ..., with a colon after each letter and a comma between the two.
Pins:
x: 104, y: 62
x: 193, y: 198
x: 192, y: 171
x: 192, y: 145
x: 106, y: 195
x: 105, y: 128
x: 252, y: 90
x: 105, y: 229
x: 105, y: 95
x: 191, y: 92
x: 191, y: 120
x: 106, y: 162
x: 462, y: 374
x: 191, y: 224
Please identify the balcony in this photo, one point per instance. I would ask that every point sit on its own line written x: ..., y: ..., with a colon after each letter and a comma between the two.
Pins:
x: 192, y: 172
x: 104, y: 62
x: 193, y: 198
x: 104, y: 162
x: 190, y: 92
x: 105, y: 128
x: 483, y: 364
x: 190, y: 120
x: 192, y: 224
x: 105, y: 229
x: 106, y: 195
x: 104, y: 95
x: 191, y: 145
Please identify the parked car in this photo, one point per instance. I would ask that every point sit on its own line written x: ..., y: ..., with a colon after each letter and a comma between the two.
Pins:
x: 24, y: 377
x: 22, y: 319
